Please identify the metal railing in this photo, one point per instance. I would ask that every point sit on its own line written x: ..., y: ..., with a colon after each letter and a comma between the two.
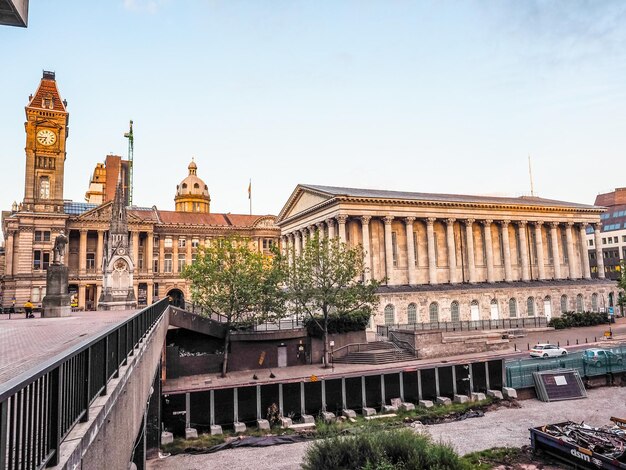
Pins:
x: 198, y: 310
x: 40, y: 407
x: 402, y: 344
x: 468, y: 325
x: 283, y: 324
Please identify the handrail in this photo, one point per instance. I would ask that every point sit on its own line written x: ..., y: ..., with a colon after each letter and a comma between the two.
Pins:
x: 466, y: 325
x: 395, y: 340
x: 40, y: 407
x: 349, y: 346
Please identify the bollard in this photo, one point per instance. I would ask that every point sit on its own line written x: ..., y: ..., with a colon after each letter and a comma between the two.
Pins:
x: 585, y: 340
x: 568, y: 342
x: 528, y: 346
x: 576, y: 340
x: 514, y: 346
x: 595, y: 340
x: 558, y: 344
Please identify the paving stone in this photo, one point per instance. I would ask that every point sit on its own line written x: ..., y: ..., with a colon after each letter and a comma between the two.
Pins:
x: 443, y: 401
x: 191, y: 433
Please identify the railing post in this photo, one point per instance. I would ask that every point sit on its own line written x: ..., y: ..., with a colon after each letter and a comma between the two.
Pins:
x: 106, y: 364
x: 56, y: 404
x: 87, y: 384
x: 4, y: 427
x: 118, y: 352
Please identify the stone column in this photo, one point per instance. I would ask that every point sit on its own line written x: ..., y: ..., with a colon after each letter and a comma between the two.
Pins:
x: 9, y: 254
x: 81, y: 295
x: 573, y: 274
x: 136, y: 250
x: 539, y: 249
x: 175, y: 255
x: 150, y: 253
x: 320, y: 230
x: 341, y: 220
x: 432, y: 257
x: 298, y: 242
x: 331, y: 228
x: 554, y: 233
x: 388, y: 249
x: 82, y: 254
x: 523, y: 243
x: 150, y: 287
x: 365, y: 232
x: 488, y: 250
x: 283, y: 245
x: 506, y: 250
x: 410, y: 248
x: 99, y: 252
x: 471, y: 263
x: 161, y: 253
x: 451, y: 250
x: 597, y: 242
x: 189, y: 255
x: 584, y: 253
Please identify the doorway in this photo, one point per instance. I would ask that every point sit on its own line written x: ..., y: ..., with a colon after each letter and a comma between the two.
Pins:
x: 177, y: 298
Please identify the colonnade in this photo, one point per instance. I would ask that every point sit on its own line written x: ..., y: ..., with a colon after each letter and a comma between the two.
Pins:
x: 574, y: 252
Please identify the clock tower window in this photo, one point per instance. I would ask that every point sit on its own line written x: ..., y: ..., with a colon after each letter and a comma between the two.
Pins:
x: 44, y: 187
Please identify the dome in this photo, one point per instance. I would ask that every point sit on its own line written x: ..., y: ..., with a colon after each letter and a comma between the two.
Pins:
x: 192, y: 194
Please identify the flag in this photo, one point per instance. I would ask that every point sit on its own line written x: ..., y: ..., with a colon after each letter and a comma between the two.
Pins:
x: 250, y: 190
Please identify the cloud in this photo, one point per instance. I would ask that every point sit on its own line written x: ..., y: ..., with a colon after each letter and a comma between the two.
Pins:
x: 143, y: 6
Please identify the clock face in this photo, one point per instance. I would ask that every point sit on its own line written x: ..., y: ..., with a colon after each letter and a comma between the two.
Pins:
x: 46, y: 137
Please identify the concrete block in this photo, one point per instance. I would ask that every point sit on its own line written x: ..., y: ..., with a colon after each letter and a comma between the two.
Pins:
x: 302, y: 426
x: 391, y: 415
x: 396, y: 402
x: 407, y: 406
x: 495, y: 394
x: 369, y: 411
x: 239, y: 427
x: 443, y: 401
x: 389, y: 409
x: 216, y: 429
x: 348, y: 413
x: 509, y: 392
x: 425, y: 403
x: 308, y: 419
x: 263, y: 425
x: 285, y: 422
x: 328, y: 417
x: 461, y: 398
x: 191, y: 433
x: 477, y: 396
x: 167, y: 437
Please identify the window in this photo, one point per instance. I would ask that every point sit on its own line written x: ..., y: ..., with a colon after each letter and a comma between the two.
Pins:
x: 512, y: 308
x: 394, y: 248
x: 42, y: 236
x: 41, y: 260
x: 168, y: 242
x: 594, y: 302
x: 34, y: 296
x: 167, y: 265
x: 181, y: 262
x: 591, y: 242
x: 615, y: 240
x: 530, y: 306
x: 155, y: 263
x: 155, y: 240
x: 454, y: 312
x: 415, y: 246
x: 389, y: 315
x: 563, y: 303
x: 182, y: 242
x: 44, y: 187
x: 155, y: 290
x: 604, y: 241
x: 195, y: 243
x: 91, y: 261
x: 268, y: 243
x: 411, y: 313
x: 37, y: 259
x: 433, y: 312
x: 623, y: 238
x: 579, y: 303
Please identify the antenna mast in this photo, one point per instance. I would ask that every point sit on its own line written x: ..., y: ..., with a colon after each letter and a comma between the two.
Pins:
x: 530, y: 172
x: 129, y: 136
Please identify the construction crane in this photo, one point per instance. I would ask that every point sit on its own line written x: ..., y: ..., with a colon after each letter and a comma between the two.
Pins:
x: 129, y: 136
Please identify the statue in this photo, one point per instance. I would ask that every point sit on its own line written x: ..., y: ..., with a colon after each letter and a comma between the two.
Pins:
x: 59, y: 249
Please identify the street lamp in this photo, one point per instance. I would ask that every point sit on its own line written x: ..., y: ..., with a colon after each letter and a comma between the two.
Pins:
x: 332, y: 356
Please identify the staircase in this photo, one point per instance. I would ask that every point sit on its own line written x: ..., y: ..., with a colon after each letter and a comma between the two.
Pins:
x: 379, y: 352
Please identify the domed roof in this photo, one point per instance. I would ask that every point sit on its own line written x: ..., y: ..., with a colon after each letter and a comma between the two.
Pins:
x: 192, y: 185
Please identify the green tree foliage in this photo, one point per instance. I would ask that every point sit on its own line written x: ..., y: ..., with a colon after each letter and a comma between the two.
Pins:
x: 231, y: 279
x: 326, y: 279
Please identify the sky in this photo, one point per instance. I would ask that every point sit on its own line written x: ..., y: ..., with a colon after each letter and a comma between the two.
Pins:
x: 425, y: 96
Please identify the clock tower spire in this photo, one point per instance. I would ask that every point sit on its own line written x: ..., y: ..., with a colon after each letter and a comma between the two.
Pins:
x: 47, y: 130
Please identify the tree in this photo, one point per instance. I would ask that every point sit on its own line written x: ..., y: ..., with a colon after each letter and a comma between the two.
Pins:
x: 231, y: 279
x: 326, y: 279
x: 621, y: 284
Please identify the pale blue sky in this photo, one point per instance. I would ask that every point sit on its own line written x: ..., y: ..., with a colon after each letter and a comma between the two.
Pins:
x: 420, y: 96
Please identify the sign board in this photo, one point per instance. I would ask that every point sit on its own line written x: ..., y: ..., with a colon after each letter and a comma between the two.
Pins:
x: 313, y: 378
x: 262, y: 358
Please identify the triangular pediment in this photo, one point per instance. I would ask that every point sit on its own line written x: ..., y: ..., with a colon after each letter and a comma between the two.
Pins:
x: 302, y: 200
x: 103, y: 213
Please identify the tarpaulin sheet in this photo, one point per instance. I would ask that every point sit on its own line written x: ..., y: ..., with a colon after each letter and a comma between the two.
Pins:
x: 265, y: 441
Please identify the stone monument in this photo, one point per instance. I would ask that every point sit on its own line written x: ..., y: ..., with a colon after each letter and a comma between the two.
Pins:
x: 56, y: 303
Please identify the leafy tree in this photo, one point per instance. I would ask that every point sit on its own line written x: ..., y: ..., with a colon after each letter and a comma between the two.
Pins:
x: 231, y: 279
x: 621, y: 283
x: 326, y: 279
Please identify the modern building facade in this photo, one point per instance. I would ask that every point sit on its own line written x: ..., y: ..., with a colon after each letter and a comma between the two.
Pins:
x: 161, y: 242
x: 452, y: 257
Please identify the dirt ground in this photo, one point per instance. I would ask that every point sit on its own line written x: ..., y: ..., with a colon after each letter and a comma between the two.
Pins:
x: 507, y: 426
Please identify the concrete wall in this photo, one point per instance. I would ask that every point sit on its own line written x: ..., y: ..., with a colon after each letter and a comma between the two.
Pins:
x: 107, y: 439
x: 436, y: 344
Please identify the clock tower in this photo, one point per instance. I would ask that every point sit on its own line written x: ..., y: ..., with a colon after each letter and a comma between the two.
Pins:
x: 46, y: 132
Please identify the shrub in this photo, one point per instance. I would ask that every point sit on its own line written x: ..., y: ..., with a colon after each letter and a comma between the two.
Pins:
x: 381, y: 450
x: 338, y: 323
x: 577, y: 319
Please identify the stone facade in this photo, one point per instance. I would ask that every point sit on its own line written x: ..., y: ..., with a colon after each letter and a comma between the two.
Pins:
x: 432, y: 250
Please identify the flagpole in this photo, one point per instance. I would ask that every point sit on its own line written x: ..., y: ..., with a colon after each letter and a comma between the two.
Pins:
x: 250, y: 194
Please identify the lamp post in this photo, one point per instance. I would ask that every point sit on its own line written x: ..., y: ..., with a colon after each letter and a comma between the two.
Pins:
x: 332, y: 356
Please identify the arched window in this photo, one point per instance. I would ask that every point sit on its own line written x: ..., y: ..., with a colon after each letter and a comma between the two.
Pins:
x: 579, y: 303
x: 184, y: 185
x: 611, y: 299
x: 530, y: 306
x: 411, y: 313
x: 474, y: 310
x: 512, y: 308
x: 454, y: 311
x: 389, y: 315
x: 433, y: 310
x: 196, y: 186
x: 594, y: 302
x: 563, y: 303
x: 495, y: 311
x: 44, y: 187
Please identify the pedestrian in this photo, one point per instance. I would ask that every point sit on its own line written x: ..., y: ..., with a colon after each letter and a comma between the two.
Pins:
x: 28, y: 309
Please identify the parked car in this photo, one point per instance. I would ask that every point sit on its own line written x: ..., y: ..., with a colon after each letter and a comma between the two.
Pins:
x: 601, y: 357
x: 547, y: 350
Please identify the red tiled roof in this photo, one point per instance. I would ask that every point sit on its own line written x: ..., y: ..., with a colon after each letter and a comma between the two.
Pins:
x: 47, y: 87
x: 195, y: 218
